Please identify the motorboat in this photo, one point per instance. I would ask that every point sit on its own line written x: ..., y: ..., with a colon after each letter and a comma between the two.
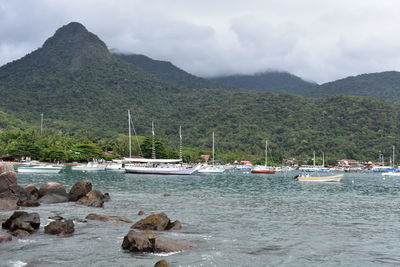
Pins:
x: 308, y: 178
x: 90, y: 166
x: 41, y: 168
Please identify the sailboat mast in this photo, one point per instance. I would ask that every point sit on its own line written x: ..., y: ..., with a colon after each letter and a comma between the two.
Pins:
x: 266, y: 153
x: 180, y: 143
x: 323, y: 159
x: 213, y: 151
x: 314, y: 159
x: 153, y: 151
x: 41, y: 124
x: 129, y: 134
x: 393, y: 155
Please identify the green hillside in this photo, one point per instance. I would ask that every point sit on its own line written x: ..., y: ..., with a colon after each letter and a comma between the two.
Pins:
x: 384, y: 85
x: 79, y: 85
x: 166, y: 71
x: 274, y: 81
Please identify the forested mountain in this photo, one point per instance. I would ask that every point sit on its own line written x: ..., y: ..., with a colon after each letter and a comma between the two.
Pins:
x: 166, y: 71
x: 79, y: 85
x: 384, y: 85
x: 274, y: 81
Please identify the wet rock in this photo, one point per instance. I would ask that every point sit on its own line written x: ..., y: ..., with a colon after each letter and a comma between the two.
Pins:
x: 164, y: 244
x: 147, y: 241
x: 52, y: 188
x: 5, y: 238
x: 105, y: 218
x: 22, y: 220
x: 7, y: 176
x: 162, y: 263
x: 137, y: 242
x: 79, y: 189
x: 176, y: 225
x: 107, y: 197
x: 94, y: 198
x: 140, y: 213
x: 19, y: 192
x: 28, y: 203
x: 56, y: 218
x: 20, y: 233
x: 79, y: 220
x: 32, y: 191
x: 60, y: 227
x: 166, y: 195
x: 158, y: 222
x: 8, y: 204
x: 53, y: 198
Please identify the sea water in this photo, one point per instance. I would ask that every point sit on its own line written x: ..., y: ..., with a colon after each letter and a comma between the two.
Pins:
x: 238, y: 219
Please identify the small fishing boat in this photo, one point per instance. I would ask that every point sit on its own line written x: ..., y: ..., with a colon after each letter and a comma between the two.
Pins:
x: 308, y: 178
x: 42, y: 168
x: 116, y: 165
x: 90, y: 166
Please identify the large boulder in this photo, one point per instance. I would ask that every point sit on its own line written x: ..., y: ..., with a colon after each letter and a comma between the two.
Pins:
x: 60, y: 227
x: 147, y: 241
x: 138, y: 242
x: 53, y: 198
x: 105, y: 218
x: 8, y: 204
x: 94, y: 198
x: 164, y: 245
x: 32, y: 191
x: 5, y: 238
x: 162, y: 263
x: 79, y: 189
x: 52, y: 188
x: 7, y: 176
x: 157, y: 222
x: 22, y: 220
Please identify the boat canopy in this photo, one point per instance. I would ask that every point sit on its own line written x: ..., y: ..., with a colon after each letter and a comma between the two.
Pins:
x: 143, y: 160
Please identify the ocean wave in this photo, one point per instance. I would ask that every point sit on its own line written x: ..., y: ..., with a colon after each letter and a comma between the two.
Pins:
x: 18, y: 263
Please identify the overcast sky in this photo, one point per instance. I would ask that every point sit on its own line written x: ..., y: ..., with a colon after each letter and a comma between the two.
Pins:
x: 319, y: 40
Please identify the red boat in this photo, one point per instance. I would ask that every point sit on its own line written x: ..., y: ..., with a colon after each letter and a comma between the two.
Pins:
x: 262, y: 170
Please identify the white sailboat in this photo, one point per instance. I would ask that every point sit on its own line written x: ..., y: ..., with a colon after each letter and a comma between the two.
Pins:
x: 212, y: 168
x: 315, y: 168
x: 392, y: 173
x: 264, y: 169
x: 159, y: 166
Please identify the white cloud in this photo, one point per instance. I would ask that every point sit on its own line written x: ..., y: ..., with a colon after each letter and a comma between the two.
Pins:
x: 317, y: 40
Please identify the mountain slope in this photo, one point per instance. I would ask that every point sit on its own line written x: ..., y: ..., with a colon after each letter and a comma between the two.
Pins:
x: 384, y: 85
x: 166, y: 71
x: 79, y: 85
x: 276, y: 82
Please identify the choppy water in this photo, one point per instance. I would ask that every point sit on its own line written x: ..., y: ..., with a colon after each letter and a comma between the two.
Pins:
x: 243, y: 220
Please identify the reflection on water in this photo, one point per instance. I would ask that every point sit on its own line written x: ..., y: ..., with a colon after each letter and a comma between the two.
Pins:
x: 244, y: 220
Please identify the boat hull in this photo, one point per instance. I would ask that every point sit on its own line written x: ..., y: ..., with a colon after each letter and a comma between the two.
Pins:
x: 264, y: 171
x: 161, y: 171
x: 333, y: 178
x: 88, y: 169
x: 39, y: 169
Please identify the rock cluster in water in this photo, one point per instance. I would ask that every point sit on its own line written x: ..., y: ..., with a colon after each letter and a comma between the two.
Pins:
x: 157, y: 222
x: 12, y: 195
x: 22, y: 223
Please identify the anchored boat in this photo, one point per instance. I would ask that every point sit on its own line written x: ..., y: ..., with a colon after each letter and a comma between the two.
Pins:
x: 308, y: 178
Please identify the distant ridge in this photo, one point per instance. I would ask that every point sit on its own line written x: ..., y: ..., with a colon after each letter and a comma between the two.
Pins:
x: 269, y: 81
x: 166, y: 71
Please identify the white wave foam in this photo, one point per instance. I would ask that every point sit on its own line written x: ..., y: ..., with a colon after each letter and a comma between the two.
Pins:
x: 165, y: 254
x: 18, y: 263
x: 29, y: 241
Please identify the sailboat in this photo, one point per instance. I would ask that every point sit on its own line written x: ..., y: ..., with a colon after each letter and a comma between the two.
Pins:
x: 159, y: 166
x: 315, y: 168
x: 392, y: 172
x: 264, y: 169
x: 213, y: 168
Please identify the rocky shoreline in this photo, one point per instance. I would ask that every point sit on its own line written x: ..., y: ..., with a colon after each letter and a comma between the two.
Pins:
x: 140, y: 238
